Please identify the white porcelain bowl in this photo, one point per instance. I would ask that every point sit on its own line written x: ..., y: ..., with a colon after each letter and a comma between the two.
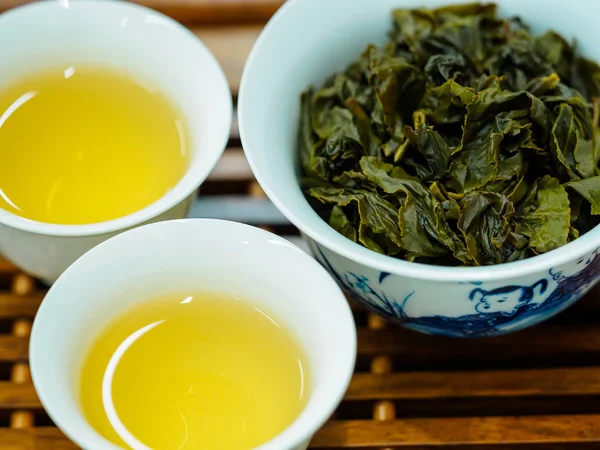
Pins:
x: 194, y: 254
x: 130, y: 38
x: 303, y: 44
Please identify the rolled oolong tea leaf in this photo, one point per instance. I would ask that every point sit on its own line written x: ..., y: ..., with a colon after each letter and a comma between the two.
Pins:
x: 464, y: 140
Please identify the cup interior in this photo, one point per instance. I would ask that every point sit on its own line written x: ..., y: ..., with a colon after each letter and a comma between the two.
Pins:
x: 157, y: 51
x: 306, y: 48
x: 195, y: 255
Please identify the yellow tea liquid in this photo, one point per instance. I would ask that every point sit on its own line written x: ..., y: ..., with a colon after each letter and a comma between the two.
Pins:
x: 194, y: 371
x: 84, y: 144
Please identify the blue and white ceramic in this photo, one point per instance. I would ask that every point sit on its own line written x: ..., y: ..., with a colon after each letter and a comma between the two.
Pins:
x: 464, y: 308
x: 308, y: 40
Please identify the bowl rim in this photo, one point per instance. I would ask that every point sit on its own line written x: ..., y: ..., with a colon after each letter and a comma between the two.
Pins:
x: 294, y: 434
x: 193, y: 177
x: 313, y: 226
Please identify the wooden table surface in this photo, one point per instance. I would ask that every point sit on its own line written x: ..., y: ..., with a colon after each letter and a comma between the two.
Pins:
x: 539, y: 388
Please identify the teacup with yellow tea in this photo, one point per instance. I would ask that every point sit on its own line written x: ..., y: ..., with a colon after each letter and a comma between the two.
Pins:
x: 111, y: 116
x: 193, y: 334
x: 194, y: 370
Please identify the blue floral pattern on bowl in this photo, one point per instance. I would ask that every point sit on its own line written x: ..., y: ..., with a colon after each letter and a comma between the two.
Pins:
x: 463, y: 309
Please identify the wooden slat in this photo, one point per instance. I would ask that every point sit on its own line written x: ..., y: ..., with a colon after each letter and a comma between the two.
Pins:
x: 405, y: 434
x: 231, y: 46
x: 214, y: 12
x: 12, y: 305
x: 459, y: 432
x: 38, y: 438
x: 500, y: 383
x: 548, y: 341
x: 6, y: 267
x: 13, y: 348
x: 18, y: 396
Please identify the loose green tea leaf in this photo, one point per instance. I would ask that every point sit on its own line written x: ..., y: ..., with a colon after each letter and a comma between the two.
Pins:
x: 464, y: 140
x: 589, y: 189
x: 544, y: 217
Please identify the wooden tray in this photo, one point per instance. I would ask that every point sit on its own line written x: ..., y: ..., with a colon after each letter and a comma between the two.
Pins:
x: 539, y: 388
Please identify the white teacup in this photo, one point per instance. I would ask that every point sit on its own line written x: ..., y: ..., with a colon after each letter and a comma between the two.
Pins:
x: 131, y: 38
x: 194, y: 254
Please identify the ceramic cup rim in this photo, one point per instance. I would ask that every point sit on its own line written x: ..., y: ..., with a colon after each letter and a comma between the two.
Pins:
x: 319, y: 231
x: 296, y: 433
x: 194, y: 176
